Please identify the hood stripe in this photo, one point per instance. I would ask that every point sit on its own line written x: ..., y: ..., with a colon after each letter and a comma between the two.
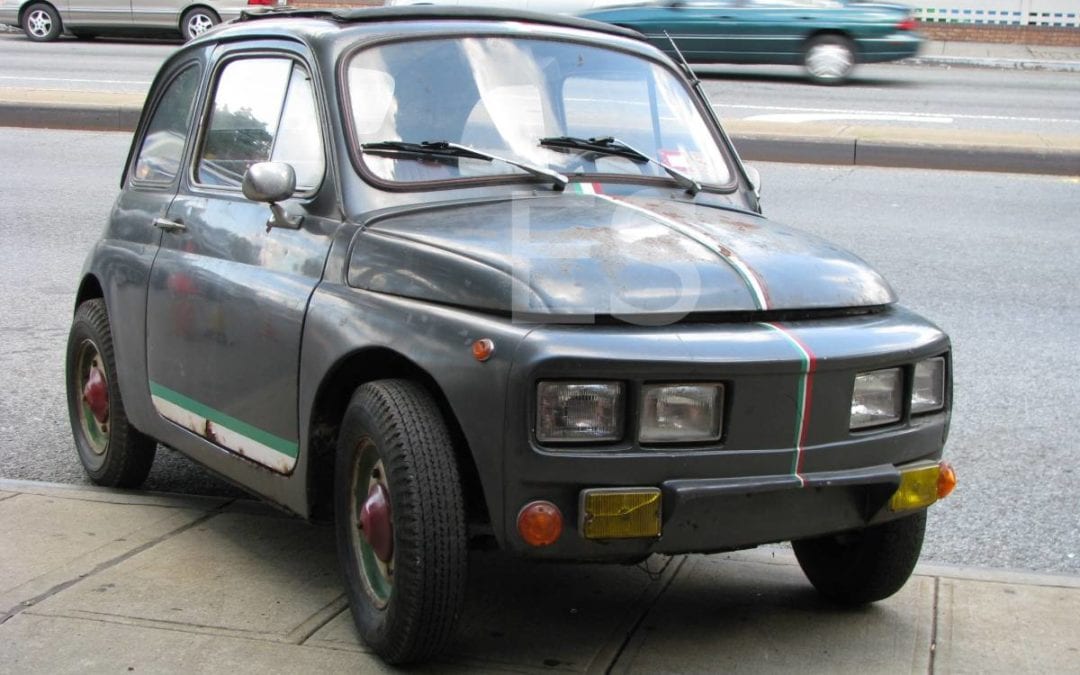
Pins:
x: 749, y: 277
x: 805, y: 402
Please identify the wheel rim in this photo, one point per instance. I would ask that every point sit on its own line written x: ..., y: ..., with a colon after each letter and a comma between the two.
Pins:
x: 829, y: 61
x: 199, y: 24
x: 372, y: 525
x: 93, y: 388
x: 39, y: 23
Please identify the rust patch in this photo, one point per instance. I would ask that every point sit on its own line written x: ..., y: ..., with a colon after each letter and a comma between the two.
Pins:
x: 208, y: 432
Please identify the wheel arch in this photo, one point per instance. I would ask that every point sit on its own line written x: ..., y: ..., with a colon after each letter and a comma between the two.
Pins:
x: 196, y: 5
x: 833, y: 32
x: 328, y: 409
x: 89, y: 288
x: 27, y: 5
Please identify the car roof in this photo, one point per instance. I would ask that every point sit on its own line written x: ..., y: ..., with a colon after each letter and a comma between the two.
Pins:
x: 387, y: 15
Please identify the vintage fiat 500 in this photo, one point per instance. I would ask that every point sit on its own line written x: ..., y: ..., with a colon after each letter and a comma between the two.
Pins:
x: 462, y: 278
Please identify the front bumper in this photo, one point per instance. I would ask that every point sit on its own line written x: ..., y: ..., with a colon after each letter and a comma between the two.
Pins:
x: 758, y: 484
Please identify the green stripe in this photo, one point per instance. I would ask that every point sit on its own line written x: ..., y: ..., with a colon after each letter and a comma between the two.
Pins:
x: 234, y: 425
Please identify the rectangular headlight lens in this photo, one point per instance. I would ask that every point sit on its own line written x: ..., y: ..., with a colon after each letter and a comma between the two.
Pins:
x: 579, y: 411
x: 683, y: 413
x: 928, y: 390
x: 877, y: 397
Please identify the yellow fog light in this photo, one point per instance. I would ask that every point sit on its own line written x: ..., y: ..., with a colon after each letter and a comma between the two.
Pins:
x: 919, y: 487
x: 620, y: 513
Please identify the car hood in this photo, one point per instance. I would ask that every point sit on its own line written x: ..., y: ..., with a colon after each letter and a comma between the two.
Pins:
x: 582, y: 255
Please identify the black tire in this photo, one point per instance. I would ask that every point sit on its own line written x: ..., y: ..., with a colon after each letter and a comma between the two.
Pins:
x: 829, y: 59
x: 197, y: 21
x: 41, y: 22
x: 394, y: 436
x: 856, y: 568
x: 114, y: 453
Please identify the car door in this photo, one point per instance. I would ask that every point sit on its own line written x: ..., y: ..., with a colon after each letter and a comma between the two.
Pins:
x: 156, y: 13
x: 227, y: 294
x: 704, y: 31
x: 113, y: 13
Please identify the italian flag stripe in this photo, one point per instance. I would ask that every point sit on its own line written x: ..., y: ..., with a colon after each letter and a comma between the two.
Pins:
x: 805, y: 401
x: 227, y: 431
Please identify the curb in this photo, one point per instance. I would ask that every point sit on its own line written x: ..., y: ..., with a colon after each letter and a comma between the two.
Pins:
x: 759, y: 147
x: 989, y: 62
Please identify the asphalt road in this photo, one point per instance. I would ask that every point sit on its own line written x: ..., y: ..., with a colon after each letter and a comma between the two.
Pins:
x: 990, y: 257
x: 968, y: 99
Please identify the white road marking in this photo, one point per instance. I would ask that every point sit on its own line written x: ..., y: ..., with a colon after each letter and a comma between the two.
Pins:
x: 795, y: 118
x: 68, y: 79
x: 923, y: 117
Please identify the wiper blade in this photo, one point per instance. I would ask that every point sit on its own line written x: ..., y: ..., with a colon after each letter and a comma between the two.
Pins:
x: 448, y: 149
x: 609, y: 145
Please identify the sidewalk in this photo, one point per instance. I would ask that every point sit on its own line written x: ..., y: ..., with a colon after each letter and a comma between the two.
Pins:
x: 111, y: 581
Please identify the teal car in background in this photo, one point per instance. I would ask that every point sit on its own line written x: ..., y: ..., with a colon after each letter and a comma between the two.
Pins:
x: 828, y: 37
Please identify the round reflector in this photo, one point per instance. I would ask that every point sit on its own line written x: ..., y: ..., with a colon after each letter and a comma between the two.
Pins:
x: 540, y: 523
x: 946, y: 481
x: 482, y: 349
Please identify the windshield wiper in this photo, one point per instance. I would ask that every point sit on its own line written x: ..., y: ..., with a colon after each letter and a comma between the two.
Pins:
x: 609, y: 145
x: 448, y: 149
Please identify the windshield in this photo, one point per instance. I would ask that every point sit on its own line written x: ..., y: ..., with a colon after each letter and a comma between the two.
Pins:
x: 503, y: 96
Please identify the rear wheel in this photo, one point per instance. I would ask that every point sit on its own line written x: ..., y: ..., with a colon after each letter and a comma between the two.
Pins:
x: 856, y: 568
x: 400, y: 520
x: 197, y: 21
x: 114, y: 453
x: 829, y: 59
x: 42, y: 22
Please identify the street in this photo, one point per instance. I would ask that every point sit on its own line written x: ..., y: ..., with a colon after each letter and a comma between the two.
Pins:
x: 966, y: 99
x: 990, y: 257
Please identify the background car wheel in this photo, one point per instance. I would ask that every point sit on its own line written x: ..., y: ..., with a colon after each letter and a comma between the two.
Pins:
x: 113, y: 452
x: 197, y: 21
x: 829, y: 59
x: 42, y: 22
x: 400, y: 520
x: 855, y: 568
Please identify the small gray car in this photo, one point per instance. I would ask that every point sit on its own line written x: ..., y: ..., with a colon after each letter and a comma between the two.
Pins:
x: 479, y: 278
x: 45, y: 20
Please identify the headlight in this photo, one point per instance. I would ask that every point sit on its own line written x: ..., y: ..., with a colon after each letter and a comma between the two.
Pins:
x: 876, y: 398
x: 682, y: 413
x: 579, y: 411
x: 928, y: 390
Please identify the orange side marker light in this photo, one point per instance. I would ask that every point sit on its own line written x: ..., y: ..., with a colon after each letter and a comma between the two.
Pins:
x: 946, y: 481
x: 540, y: 523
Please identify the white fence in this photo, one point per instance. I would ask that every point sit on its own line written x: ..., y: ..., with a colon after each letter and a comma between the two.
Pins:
x: 1060, y: 13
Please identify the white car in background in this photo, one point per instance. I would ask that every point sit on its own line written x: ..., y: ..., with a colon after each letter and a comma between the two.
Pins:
x: 45, y: 20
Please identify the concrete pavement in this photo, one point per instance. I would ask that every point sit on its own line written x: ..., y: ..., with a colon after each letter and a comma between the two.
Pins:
x: 834, y: 143
x: 100, y: 580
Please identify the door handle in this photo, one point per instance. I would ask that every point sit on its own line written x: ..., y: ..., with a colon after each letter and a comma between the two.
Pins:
x: 169, y: 225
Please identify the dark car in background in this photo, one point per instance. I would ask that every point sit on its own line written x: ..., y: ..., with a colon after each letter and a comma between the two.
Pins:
x: 827, y: 37
x: 461, y: 278
x: 45, y: 20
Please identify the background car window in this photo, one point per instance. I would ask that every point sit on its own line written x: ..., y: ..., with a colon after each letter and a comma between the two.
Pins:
x: 163, y: 144
x: 263, y: 109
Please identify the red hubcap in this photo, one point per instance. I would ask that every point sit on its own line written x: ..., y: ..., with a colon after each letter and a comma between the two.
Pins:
x: 96, y: 394
x: 376, y: 523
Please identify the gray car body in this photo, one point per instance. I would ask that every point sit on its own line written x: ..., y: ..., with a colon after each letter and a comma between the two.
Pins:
x: 383, y: 283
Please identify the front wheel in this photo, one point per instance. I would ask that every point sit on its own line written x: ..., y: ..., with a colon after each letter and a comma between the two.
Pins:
x: 400, y: 520
x: 113, y: 452
x: 42, y: 23
x: 864, y: 566
x: 197, y: 21
x: 829, y: 59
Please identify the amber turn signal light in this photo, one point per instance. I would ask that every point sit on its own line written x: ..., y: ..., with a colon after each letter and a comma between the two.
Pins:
x: 482, y: 349
x: 946, y: 481
x: 540, y: 523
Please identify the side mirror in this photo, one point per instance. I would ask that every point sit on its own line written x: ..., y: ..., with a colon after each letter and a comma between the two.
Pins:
x: 755, y: 179
x: 272, y: 182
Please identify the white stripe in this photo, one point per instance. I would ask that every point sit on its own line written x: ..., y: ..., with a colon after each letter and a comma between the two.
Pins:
x: 795, y: 118
x: 914, y: 115
x: 68, y: 79
x: 226, y: 438
x: 746, y: 273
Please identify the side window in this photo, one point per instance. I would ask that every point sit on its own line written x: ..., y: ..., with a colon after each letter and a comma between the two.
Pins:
x: 163, y: 145
x: 263, y: 109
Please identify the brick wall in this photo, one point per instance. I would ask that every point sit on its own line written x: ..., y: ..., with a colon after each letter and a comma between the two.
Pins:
x: 1026, y: 35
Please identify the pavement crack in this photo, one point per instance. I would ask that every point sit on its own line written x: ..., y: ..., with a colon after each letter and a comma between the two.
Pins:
x: 934, y: 627
x: 112, y: 562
